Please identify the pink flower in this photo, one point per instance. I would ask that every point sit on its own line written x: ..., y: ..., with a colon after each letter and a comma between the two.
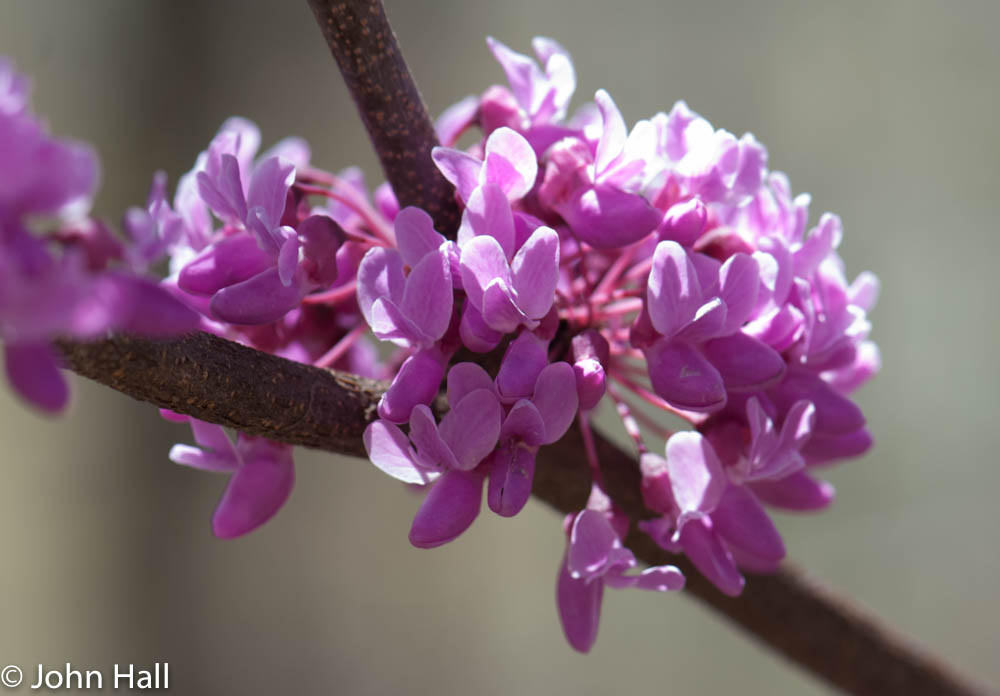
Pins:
x: 596, y: 557
x: 262, y: 476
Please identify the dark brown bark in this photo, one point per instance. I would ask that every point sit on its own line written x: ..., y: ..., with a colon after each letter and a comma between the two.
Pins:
x: 221, y: 382
x: 368, y: 55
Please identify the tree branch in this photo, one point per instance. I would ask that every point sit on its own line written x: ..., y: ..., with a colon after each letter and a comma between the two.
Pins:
x: 222, y: 382
x: 366, y: 51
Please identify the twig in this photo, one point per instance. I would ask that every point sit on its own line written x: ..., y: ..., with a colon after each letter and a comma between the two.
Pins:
x: 222, y: 382
x: 365, y: 48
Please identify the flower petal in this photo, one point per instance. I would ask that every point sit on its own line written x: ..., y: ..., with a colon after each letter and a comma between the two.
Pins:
x: 229, y: 261
x: 482, y: 261
x: 512, y: 469
x: 428, y: 296
x: 142, y: 306
x: 33, y: 371
x: 524, y: 423
x: 321, y: 238
x: 682, y: 376
x: 268, y: 190
x: 739, y: 282
x: 535, y: 271
x: 224, y: 192
x: 288, y: 258
x: 471, y: 427
x: 510, y: 163
x: 798, y: 491
x: 197, y: 458
x: 389, y: 450
x: 522, y: 362
x: 711, y: 558
x: 461, y: 169
x: 254, y: 495
x: 556, y: 399
x: 389, y: 323
x: 558, y: 67
x: 258, y: 300
x: 214, y: 437
x: 416, y: 382
x: 591, y: 382
x: 579, y: 604
x: 613, y: 134
x: 500, y: 311
x: 798, y: 425
x: 488, y: 213
x: 415, y: 235
x: 606, y: 217
x: 742, y: 522
x: 433, y: 452
x: 380, y: 274
x: 697, y: 479
x: 592, y: 542
x: 451, y: 506
x: 823, y: 448
x: 684, y: 222
x: 475, y: 334
x: 454, y: 120
x: 663, y: 578
x: 822, y: 240
x: 523, y: 74
x: 673, y: 293
x: 745, y: 363
x: 464, y: 378
x: 835, y: 414
x: 709, y: 321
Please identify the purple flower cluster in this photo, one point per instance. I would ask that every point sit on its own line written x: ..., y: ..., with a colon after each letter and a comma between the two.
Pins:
x: 662, y: 266
x: 660, y: 269
x: 62, y: 274
x: 265, y: 266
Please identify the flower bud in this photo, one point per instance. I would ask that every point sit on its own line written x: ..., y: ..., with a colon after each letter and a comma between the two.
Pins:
x: 684, y: 222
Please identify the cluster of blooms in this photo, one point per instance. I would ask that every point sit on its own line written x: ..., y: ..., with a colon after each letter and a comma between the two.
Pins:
x: 272, y: 273
x: 61, y: 273
x: 662, y: 266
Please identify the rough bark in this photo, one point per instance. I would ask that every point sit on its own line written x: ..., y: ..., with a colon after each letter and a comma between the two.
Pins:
x: 390, y: 105
x: 222, y: 382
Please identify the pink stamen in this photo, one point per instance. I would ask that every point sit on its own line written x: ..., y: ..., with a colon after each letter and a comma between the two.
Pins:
x: 334, y: 296
x: 651, y: 398
x: 640, y: 269
x: 637, y: 413
x: 590, y: 449
x: 631, y: 427
x: 372, y: 219
x: 614, y: 272
x: 626, y: 306
x: 342, y: 346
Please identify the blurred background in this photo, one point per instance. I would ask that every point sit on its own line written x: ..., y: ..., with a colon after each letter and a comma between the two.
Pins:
x: 884, y: 111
